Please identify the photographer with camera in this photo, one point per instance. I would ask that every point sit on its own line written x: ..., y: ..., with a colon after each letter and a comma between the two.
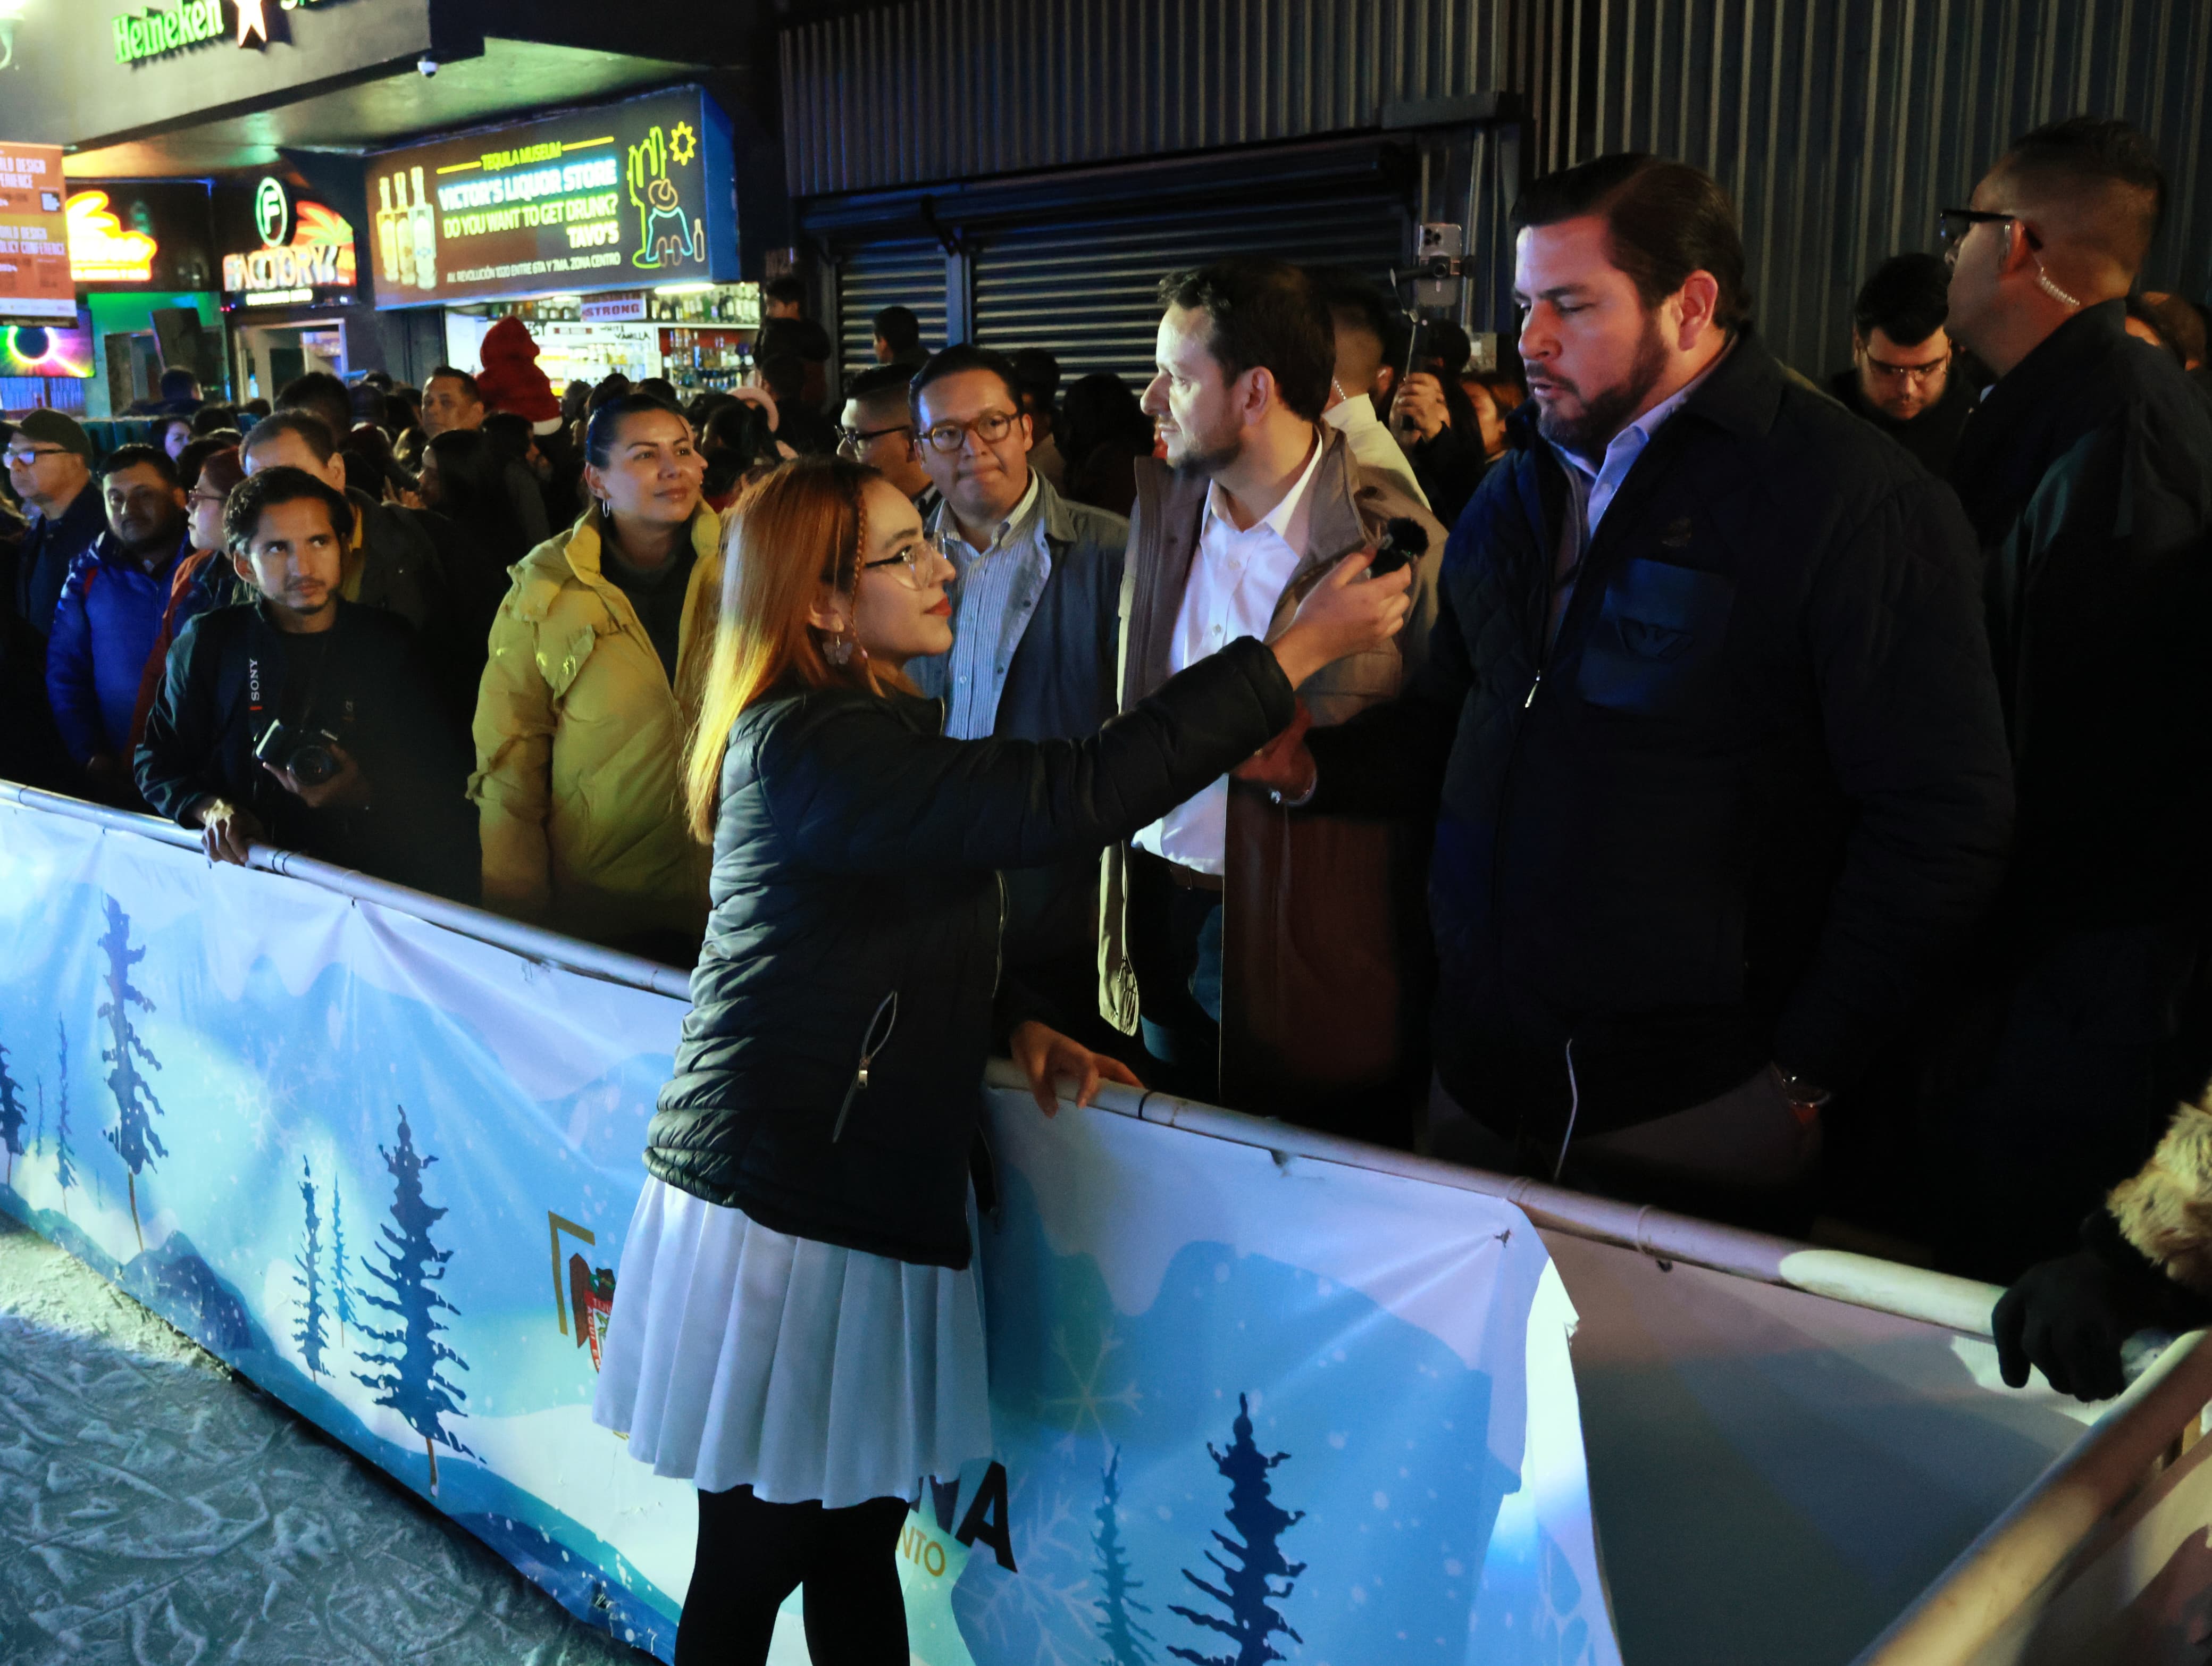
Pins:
x: 305, y: 721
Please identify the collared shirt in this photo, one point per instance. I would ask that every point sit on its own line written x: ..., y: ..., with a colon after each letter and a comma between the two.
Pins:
x: 1373, y: 444
x: 1236, y: 579
x: 1590, y: 491
x: 994, y: 593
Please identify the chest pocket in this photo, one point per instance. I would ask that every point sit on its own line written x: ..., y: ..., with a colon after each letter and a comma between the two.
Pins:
x: 1657, y: 640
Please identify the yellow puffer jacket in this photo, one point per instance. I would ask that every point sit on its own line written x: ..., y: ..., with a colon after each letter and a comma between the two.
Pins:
x: 580, y: 746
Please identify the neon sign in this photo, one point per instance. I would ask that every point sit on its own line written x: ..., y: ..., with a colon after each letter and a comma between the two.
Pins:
x: 34, y: 350
x: 150, y: 34
x: 100, y: 251
x: 305, y: 247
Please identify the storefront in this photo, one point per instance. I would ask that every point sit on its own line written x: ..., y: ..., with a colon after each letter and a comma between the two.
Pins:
x: 141, y: 256
x: 291, y: 288
x: 609, y: 232
x: 332, y: 266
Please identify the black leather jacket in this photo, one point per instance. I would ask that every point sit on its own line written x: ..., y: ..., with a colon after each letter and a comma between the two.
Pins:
x: 856, y: 909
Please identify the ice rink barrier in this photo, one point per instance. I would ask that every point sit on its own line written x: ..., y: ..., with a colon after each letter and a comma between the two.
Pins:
x: 1752, y: 1449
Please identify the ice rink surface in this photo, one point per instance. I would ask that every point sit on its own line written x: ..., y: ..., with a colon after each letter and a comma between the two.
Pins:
x: 156, y: 1508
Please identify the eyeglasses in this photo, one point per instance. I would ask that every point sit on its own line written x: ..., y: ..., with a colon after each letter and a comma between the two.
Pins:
x: 19, y: 457
x: 1951, y: 225
x: 920, y: 560
x: 852, y: 438
x: 199, y: 496
x: 990, y: 428
x: 1907, y: 373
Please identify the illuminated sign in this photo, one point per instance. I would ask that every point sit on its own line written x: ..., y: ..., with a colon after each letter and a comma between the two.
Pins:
x: 306, y: 252
x: 34, y: 265
x: 100, y: 251
x: 35, y: 349
x: 150, y: 34
x: 637, y: 193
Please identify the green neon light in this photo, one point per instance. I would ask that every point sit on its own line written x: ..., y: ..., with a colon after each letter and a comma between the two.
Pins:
x: 157, y: 34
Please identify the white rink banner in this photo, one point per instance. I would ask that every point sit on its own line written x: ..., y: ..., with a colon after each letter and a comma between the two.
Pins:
x: 1247, y: 1406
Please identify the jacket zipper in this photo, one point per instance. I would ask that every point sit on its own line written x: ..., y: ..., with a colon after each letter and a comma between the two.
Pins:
x: 999, y: 938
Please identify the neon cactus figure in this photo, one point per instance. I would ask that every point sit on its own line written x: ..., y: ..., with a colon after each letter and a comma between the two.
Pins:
x: 665, y: 234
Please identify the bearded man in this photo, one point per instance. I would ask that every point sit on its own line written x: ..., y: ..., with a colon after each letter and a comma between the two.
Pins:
x: 1268, y: 960
x: 1707, y: 726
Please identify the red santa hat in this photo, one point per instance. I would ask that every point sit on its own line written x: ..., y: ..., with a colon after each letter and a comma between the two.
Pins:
x: 510, y: 379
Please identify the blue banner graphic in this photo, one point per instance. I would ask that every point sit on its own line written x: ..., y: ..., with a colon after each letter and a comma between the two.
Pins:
x: 1247, y: 1406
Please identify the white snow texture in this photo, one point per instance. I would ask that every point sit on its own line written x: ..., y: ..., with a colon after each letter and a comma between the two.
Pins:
x: 155, y: 1508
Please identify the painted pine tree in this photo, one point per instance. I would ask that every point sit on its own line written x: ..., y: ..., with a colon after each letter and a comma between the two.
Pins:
x: 409, y: 1383
x: 341, y: 1287
x: 64, y: 1157
x: 309, y: 1278
x: 12, y: 1116
x: 133, y: 1136
x: 1124, y: 1637
x: 1247, y: 1590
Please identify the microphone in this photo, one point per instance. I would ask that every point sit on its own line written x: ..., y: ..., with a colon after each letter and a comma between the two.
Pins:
x: 1404, y: 540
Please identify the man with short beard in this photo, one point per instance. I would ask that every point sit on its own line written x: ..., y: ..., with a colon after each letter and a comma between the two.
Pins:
x: 109, y: 615
x: 1707, y: 724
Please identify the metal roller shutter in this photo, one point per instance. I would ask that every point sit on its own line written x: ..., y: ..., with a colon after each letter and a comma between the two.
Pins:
x: 873, y: 276
x: 1085, y: 290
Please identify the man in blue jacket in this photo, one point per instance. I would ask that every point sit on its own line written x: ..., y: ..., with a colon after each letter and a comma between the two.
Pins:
x: 1708, y: 723
x: 109, y: 615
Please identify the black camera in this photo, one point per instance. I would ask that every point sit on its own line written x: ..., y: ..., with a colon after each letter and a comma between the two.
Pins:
x: 306, y: 754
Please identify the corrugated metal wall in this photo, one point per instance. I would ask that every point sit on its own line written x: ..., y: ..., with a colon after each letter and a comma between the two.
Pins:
x: 1840, y: 125
x: 944, y: 89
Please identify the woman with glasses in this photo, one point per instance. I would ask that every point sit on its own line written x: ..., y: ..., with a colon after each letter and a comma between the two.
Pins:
x: 796, y: 1330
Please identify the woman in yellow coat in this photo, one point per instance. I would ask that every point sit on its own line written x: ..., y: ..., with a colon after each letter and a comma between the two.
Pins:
x: 591, y: 689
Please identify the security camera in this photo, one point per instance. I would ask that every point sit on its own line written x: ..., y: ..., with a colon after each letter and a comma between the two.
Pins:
x: 427, y: 65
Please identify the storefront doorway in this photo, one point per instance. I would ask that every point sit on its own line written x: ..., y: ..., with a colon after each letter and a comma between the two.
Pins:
x: 272, y: 355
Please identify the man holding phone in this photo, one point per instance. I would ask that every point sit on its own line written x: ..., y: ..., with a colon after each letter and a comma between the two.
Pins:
x: 304, y: 721
x: 1263, y: 959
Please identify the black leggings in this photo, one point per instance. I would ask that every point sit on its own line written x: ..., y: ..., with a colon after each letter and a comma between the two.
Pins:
x: 751, y: 1554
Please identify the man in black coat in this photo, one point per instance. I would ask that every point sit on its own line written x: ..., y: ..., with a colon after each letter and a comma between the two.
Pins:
x: 1709, y: 712
x: 50, y: 469
x: 341, y: 684
x: 1905, y: 377
x: 2087, y: 472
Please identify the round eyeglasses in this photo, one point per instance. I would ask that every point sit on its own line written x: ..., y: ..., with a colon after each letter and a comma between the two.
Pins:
x: 990, y: 428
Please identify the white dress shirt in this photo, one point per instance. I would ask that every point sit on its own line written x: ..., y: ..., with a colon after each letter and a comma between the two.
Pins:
x: 1371, y: 443
x: 1236, y: 579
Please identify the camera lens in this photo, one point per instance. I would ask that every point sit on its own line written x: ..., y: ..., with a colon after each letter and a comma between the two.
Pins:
x: 312, y: 765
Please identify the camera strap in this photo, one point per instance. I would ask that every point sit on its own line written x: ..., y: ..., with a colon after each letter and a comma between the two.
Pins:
x: 306, y: 705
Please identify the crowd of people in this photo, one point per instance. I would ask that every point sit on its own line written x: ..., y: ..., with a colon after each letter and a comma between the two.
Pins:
x: 1630, y: 765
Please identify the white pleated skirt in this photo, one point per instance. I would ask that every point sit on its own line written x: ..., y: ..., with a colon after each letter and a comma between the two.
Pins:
x: 736, y: 1356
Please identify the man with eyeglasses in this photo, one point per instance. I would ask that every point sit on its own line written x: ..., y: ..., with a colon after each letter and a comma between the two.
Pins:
x: 50, y: 469
x: 110, y: 615
x: 876, y: 428
x: 1905, y: 379
x: 1034, y: 609
x: 2087, y: 473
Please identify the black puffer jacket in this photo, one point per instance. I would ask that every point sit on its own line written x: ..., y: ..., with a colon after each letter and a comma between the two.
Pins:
x: 1748, y: 802
x: 855, y: 888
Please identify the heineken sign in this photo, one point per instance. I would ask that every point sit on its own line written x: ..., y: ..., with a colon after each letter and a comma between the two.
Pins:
x: 157, y: 34
x: 149, y: 33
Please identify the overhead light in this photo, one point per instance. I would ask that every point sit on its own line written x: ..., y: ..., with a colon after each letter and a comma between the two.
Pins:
x: 684, y: 288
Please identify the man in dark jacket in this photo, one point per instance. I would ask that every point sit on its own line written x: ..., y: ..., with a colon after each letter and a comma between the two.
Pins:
x: 1035, y: 607
x: 1905, y: 378
x: 111, y: 613
x: 2087, y: 472
x: 304, y: 721
x: 50, y: 468
x: 1710, y: 711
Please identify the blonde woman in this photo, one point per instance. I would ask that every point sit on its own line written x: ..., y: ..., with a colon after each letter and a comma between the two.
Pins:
x: 796, y: 1330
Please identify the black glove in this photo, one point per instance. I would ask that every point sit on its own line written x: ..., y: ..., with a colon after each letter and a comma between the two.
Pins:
x: 2068, y: 1317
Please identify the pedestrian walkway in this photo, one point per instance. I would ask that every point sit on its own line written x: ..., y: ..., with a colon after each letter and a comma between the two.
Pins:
x: 155, y: 1507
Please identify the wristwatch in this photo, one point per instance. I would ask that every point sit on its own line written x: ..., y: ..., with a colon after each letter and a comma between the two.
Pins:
x: 1283, y: 800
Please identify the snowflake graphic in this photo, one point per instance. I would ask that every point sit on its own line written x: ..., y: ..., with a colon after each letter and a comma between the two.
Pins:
x: 1087, y: 1406
x: 683, y: 144
x: 1032, y: 1615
